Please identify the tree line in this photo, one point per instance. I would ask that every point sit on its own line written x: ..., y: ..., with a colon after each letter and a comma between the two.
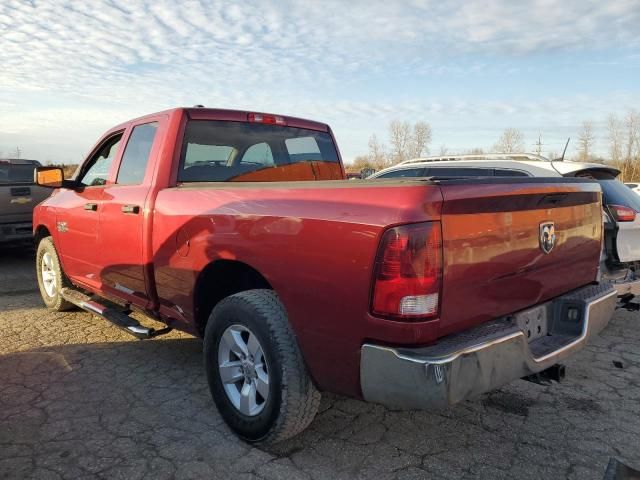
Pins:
x: 407, y: 141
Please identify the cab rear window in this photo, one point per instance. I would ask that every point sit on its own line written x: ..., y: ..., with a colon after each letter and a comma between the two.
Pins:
x: 16, y: 173
x: 221, y: 151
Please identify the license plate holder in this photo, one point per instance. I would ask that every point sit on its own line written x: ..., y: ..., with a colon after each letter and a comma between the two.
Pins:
x: 533, y: 322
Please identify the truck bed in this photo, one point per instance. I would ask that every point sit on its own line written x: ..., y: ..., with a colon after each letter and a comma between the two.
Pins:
x: 327, y: 234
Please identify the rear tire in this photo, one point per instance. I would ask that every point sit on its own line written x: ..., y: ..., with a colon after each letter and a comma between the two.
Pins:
x: 256, y: 321
x: 51, y: 277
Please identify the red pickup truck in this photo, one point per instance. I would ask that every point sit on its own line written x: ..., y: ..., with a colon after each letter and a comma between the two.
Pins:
x: 240, y: 228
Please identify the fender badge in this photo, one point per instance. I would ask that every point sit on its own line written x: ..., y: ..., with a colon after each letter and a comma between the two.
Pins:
x: 21, y: 200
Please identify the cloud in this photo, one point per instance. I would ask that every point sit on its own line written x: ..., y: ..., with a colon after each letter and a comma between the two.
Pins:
x: 92, y: 62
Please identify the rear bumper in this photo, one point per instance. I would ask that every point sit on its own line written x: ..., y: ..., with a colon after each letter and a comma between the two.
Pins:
x: 13, y: 232
x: 467, y: 364
x: 628, y: 288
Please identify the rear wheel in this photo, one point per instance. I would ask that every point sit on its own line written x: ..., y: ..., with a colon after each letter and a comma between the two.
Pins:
x: 255, y: 370
x: 51, y: 277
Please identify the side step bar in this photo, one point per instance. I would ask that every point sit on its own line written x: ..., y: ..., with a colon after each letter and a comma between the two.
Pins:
x: 119, y: 318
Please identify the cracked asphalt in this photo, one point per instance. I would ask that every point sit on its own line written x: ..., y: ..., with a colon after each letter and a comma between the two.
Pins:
x: 81, y: 399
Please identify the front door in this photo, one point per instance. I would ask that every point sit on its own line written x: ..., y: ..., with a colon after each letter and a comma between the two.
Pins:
x: 123, y: 217
x: 77, y: 223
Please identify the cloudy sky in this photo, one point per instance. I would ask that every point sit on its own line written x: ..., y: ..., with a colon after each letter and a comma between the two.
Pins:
x: 71, y: 69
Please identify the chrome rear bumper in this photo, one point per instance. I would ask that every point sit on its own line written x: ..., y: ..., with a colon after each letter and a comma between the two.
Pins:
x: 467, y: 364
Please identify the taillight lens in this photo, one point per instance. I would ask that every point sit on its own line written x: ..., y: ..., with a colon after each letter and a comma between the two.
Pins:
x: 408, y: 272
x: 265, y: 118
x: 622, y: 213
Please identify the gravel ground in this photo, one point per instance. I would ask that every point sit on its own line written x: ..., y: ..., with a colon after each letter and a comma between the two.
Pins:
x: 81, y: 399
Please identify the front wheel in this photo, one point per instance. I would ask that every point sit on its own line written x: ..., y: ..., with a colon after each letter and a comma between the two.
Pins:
x: 51, y: 278
x: 255, y: 370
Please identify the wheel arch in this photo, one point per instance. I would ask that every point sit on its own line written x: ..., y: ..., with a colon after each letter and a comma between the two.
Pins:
x: 218, y: 280
x: 40, y: 232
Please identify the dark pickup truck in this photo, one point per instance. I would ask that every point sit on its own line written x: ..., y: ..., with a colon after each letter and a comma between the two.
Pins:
x: 239, y: 227
x: 18, y: 197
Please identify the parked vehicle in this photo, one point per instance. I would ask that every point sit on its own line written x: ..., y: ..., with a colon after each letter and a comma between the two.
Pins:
x: 241, y: 228
x: 621, y: 259
x: 18, y: 196
x: 635, y: 188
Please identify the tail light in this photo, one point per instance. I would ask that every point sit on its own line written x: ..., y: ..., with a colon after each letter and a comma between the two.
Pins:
x: 622, y: 213
x: 408, y: 272
x: 264, y: 118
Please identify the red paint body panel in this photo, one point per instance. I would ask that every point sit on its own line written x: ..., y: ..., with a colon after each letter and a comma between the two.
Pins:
x: 315, y: 243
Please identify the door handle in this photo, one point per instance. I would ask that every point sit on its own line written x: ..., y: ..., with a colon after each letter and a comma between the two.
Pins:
x: 91, y: 206
x: 134, y: 209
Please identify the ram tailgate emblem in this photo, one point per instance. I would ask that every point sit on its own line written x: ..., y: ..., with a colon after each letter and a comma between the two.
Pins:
x: 547, y: 236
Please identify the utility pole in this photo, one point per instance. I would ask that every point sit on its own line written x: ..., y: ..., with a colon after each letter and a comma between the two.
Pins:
x: 539, y: 144
x: 18, y: 153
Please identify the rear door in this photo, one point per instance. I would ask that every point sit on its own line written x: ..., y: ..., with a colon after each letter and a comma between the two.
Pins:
x: 77, y: 223
x: 123, y: 215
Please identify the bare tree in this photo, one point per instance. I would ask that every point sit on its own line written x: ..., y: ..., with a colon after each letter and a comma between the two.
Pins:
x: 632, y: 145
x: 408, y: 142
x: 586, y: 141
x: 361, y: 162
x: 443, y: 150
x: 624, y: 144
x: 420, y: 140
x: 400, y: 140
x: 378, y: 157
x: 511, y: 141
x: 614, y: 127
x: 476, y: 151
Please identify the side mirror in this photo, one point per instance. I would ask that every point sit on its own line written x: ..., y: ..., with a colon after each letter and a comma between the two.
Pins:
x: 50, y: 177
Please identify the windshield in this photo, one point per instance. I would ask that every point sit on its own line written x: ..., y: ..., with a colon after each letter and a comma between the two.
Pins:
x: 614, y: 192
x: 220, y: 151
x: 16, y: 173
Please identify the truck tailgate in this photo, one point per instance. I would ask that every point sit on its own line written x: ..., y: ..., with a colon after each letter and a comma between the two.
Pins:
x: 494, y: 263
x: 17, y: 201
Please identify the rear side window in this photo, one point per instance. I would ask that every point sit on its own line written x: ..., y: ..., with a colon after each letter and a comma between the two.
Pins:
x: 408, y: 172
x: 614, y: 192
x: 16, y: 173
x: 509, y: 173
x: 448, y: 172
x: 136, y: 154
x: 220, y: 151
x: 303, y: 148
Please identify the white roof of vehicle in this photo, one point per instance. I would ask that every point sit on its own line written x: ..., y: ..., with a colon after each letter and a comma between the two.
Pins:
x: 535, y: 165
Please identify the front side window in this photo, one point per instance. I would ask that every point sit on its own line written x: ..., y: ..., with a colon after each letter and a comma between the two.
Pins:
x: 136, y: 155
x: 97, y: 171
x: 258, y: 154
x: 220, y: 151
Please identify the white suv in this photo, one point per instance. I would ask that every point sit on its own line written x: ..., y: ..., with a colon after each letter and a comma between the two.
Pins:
x: 621, y: 260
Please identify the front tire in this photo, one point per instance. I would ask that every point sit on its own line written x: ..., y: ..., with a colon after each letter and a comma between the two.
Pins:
x: 255, y: 370
x: 51, y: 277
